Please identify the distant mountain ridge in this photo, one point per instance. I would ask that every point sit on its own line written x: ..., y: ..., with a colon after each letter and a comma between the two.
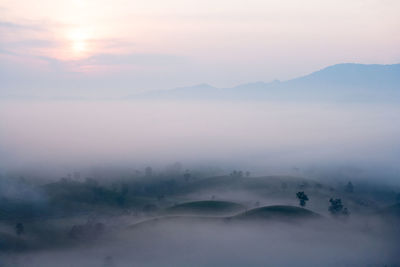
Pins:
x: 341, y: 82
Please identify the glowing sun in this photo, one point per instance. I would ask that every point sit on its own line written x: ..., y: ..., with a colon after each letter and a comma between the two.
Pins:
x: 79, y: 38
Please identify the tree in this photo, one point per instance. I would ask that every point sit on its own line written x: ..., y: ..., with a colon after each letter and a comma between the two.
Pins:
x: 336, y: 208
x: 398, y: 198
x: 19, y: 229
x: 349, y: 187
x: 302, y: 198
x: 237, y: 174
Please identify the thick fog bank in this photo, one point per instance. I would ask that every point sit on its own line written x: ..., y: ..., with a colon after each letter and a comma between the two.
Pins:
x: 320, y: 243
x: 260, y: 136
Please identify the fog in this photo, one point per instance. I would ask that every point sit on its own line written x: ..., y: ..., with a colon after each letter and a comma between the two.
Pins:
x: 261, y: 136
x: 360, y: 242
x: 195, y: 183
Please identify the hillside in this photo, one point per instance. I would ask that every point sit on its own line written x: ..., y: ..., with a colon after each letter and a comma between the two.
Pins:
x: 208, y: 207
x: 277, y: 212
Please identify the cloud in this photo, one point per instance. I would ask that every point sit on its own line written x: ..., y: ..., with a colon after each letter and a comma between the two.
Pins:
x: 33, y: 43
x: 112, y: 43
x: 101, y: 75
x: 133, y: 59
x: 18, y: 39
x: 17, y: 26
x: 4, y: 51
x: 15, y: 48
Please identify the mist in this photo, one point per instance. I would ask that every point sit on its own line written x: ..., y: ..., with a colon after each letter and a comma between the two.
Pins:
x: 361, y: 241
x: 199, y: 133
x: 257, y: 135
x: 199, y: 183
x: 265, y: 137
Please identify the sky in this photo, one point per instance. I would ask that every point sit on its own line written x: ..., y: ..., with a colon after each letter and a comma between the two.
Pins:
x: 122, y: 47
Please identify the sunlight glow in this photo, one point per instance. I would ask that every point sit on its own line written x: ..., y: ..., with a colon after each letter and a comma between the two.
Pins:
x: 79, y: 3
x: 79, y: 38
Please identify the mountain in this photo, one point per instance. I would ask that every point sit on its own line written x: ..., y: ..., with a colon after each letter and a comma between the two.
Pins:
x: 341, y: 82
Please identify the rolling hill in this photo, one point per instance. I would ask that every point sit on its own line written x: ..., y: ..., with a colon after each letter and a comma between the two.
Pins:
x: 207, y: 207
x: 277, y: 212
x: 280, y: 213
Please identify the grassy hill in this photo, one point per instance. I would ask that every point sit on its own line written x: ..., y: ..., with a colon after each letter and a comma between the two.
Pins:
x: 208, y: 207
x: 279, y: 212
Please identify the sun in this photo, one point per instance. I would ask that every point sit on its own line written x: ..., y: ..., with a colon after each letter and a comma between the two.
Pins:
x: 79, y: 46
x: 79, y: 38
x: 79, y: 3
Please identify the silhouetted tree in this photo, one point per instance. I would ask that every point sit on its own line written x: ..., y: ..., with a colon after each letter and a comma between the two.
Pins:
x: 247, y: 174
x: 336, y: 208
x: 349, y: 187
x: 398, y: 198
x: 19, y: 229
x: 236, y: 173
x: 302, y: 198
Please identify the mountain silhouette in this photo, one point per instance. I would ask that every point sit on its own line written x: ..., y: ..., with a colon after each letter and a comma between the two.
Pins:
x: 341, y: 82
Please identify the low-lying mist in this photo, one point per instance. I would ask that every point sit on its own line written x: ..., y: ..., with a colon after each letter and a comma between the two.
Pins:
x: 261, y: 136
x: 197, y: 243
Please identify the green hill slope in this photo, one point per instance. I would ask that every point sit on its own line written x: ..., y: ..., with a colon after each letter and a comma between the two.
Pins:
x: 279, y: 212
x: 208, y: 207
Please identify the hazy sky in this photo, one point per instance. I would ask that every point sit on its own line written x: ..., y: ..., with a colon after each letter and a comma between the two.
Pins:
x: 156, y: 44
